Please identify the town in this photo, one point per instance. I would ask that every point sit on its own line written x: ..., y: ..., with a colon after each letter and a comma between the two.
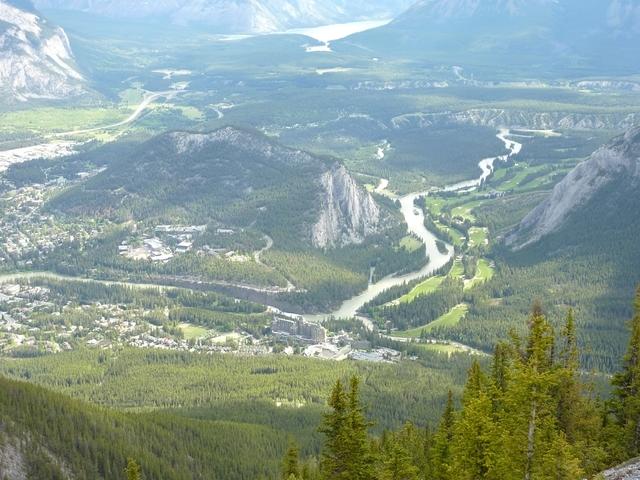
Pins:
x: 34, y: 320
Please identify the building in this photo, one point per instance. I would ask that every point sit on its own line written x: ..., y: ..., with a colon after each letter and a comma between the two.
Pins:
x: 184, y: 246
x: 295, y: 325
x: 153, y: 243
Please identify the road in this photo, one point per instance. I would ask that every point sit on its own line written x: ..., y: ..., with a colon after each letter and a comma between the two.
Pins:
x: 147, y: 100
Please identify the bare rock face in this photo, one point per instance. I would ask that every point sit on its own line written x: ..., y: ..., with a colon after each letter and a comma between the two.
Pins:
x: 617, y: 162
x: 628, y: 471
x: 348, y: 212
x: 35, y: 58
x: 240, y: 16
x: 499, y: 118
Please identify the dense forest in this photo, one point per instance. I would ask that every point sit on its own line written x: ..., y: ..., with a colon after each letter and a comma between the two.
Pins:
x: 590, y: 265
x: 526, y: 413
x: 530, y: 415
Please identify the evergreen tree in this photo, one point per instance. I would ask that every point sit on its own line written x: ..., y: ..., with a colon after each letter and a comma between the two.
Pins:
x: 500, y: 366
x: 627, y: 389
x: 347, y: 454
x: 397, y: 464
x: 569, y: 391
x: 579, y: 417
x: 441, y: 454
x: 334, y: 455
x: 360, y: 465
x: 529, y: 444
x: 291, y: 462
x: 133, y: 471
x: 473, y: 430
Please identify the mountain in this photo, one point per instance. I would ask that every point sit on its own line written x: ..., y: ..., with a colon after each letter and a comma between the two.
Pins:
x: 35, y: 57
x: 231, y: 177
x: 239, y: 16
x: 607, y: 182
x: 575, y: 37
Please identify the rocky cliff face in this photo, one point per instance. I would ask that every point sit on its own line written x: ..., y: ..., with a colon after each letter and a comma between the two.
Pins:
x: 240, y: 16
x: 615, y: 166
x: 497, y: 118
x: 348, y: 212
x: 35, y: 57
x: 628, y: 471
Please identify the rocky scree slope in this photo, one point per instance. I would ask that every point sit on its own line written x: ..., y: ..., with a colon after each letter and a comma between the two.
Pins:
x: 35, y: 57
x: 231, y: 177
x: 610, y: 174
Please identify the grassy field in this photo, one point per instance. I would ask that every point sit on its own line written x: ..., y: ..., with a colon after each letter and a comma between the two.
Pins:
x: 445, y: 348
x: 435, y: 204
x: 428, y: 286
x: 484, y: 272
x: 464, y: 211
x: 193, y: 332
x: 457, y: 236
x: 449, y: 319
x: 410, y: 243
x: 51, y: 120
x: 478, y: 236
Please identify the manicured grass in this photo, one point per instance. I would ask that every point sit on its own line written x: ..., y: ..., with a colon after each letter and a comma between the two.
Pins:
x: 514, y: 182
x: 434, y: 205
x: 456, y: 235
x: 193, y: 331
x: 428, y: 286
x: 442, y: 348
x: 499, y: 174
x: 484, y: 272
x: 478, y: 236
x: 449, y: 319
x: 464, y: 211
x: 457, y: 270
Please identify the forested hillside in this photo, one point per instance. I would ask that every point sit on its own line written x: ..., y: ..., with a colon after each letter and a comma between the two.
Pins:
x: 529, y: 414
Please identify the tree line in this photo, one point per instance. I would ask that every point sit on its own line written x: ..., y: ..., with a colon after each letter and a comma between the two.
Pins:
x: 529, y: 416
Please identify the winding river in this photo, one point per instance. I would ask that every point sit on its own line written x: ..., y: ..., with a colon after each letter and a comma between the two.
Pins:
x: 414, y: 217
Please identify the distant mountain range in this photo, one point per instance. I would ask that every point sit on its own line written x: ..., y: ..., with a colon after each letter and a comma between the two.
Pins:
x: 579, y: 37
x: 239, y: 16
x: 35, y: 57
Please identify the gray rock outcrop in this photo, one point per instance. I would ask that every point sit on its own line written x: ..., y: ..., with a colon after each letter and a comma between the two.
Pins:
x: 628, y: 471
x: 35, y: 58
x: 348, y: 212
x: 618, y: 161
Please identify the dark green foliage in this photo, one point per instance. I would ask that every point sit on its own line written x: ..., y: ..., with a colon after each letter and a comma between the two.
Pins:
x: 291, y: 464
x: 424, y: 308
x: 347, y: 454
x: 94, y: 443
x: 626, y: 401
x: 531, y: 418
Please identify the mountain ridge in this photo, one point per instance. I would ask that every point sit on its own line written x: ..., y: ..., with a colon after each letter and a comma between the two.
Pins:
x: 539, y: 37
x: 232, y: 175
x: 614, y: 166
x: 240, y: 16
x: 36, y: 61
